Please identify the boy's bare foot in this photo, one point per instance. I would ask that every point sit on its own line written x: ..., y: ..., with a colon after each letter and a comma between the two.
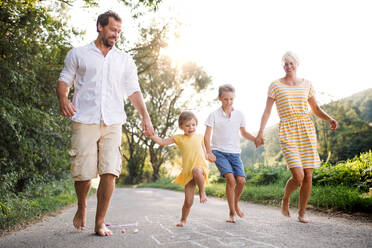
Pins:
x: 285, y: 208
x: 239, y: 212
x: 203, y: 197
x: 303, y: 219
x: 79, y: 219
x: 182, y: 223
x: 231, y: 219
x: 102, y: 230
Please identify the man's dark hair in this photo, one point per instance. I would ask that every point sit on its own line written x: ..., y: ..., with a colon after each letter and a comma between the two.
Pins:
x: 103, y: 19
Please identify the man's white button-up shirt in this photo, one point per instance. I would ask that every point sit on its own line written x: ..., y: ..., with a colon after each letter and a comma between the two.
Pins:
x: 100, y: 83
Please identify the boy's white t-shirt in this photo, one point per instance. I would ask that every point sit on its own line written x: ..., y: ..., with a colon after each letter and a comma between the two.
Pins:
x: 225, y: 135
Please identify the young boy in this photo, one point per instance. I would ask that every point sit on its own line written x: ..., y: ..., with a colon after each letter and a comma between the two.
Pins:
x: 225, y: 148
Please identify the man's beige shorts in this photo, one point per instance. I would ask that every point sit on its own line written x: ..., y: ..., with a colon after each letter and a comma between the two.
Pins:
x: 96, y: 150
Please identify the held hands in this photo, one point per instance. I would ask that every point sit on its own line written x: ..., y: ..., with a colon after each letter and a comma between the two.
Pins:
x: 147, y: 128
x: 333, y: 123
x: 211, y: 157
x: 259, y: 141
x: 66, y: 107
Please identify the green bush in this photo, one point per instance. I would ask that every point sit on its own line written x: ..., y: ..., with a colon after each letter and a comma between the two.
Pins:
x: 264, y: 175
x: 32, y: 148
x: 356, y: 172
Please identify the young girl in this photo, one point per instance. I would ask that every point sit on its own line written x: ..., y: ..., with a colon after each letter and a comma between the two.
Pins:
x: 194, y: 166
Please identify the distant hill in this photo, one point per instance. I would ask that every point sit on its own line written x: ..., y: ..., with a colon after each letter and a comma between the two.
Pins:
x: 354, y: 135
x: 363, y: 100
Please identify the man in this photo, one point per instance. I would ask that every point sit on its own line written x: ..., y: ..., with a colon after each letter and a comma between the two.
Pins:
x: 101, y: 74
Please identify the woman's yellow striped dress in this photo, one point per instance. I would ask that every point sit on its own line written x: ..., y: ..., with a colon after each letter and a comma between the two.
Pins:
x: 296, y: 130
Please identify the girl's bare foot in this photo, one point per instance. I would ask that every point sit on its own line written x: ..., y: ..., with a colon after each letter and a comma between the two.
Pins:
x: 302, y: 218
x: 182, y: 223
x: 203, y: 197
x: 239, y: 212
x: 102, y: 230
x: 285, y: 208
x: 231, y: 219
x: 79, y: 219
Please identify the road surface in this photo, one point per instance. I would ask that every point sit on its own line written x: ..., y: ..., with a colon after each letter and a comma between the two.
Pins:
x: 154, y: 213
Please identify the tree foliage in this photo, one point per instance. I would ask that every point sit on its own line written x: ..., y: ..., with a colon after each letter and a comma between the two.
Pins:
x: 166, y: 90
x: 32, y: 48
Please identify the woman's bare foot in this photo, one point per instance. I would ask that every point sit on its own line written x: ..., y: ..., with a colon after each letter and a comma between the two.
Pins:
x: 203, y: 197
x: 80, y: 219
x: 102, y: 230
x: 231, y: 219
x: 182, y: 223
x: 303, y: 219
x: 239, y: 212
x: 285, y: 208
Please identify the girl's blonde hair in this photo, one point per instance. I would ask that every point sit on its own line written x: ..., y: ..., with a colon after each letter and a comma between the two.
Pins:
x: 185, y: 116
x: 291, y: 57
x: 225, y: 88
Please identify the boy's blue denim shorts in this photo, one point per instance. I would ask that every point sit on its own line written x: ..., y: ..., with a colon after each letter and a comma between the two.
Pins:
x: 229, y: 163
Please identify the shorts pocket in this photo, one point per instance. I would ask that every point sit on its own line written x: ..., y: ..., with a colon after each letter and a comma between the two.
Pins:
x: 75, y: 163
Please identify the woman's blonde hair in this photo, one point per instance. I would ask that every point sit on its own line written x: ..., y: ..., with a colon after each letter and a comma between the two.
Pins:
x: 185, y: 116
x: 291, y: 57
x: 225, y: 88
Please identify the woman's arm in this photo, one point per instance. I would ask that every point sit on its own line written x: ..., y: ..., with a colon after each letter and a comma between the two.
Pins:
x: 162, y: 142
x: 265, y: 117
x: 321, y: 113
x: 247, y: 135
x: 207, y: 143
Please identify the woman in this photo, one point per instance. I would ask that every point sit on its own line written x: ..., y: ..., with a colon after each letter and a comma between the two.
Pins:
x: 296, y: 131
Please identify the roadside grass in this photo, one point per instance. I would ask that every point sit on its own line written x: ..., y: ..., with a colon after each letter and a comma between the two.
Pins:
x: 337, y: 198
x: 19, y: 209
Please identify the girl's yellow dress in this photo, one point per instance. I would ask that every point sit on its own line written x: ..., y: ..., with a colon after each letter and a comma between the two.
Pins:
x: 192, y: 156
x: 296, y: 130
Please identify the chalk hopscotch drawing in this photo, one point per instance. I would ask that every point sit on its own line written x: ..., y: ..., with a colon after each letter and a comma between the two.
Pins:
x: 203, y: 235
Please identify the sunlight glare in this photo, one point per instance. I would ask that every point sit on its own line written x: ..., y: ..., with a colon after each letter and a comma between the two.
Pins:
x: 177, y: 50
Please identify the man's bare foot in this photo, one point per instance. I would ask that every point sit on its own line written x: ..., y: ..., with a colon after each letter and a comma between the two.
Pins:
x: 203, y: 197
x: 285, y: 208
x: 102, y: 230
x: 79, y: 219
x: 231, y: 219
x: 239, y: 212
x: 303, y: 219
x: 182, y: 223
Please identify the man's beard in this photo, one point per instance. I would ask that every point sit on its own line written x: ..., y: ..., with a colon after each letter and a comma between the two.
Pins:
x: 106, y: 42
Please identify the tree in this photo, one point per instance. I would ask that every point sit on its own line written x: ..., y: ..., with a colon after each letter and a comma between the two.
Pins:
x: 33, y: 146
x: 163, y: 86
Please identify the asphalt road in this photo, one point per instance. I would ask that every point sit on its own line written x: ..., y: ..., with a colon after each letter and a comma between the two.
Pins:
x: 154, y: 213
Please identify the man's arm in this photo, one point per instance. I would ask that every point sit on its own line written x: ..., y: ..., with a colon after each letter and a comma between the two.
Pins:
x: 137, y: 100
x: 66, y: 107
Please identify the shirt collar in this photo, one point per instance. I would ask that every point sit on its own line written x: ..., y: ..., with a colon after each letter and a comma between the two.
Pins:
x: 94, y: 47
x: 224, y: 114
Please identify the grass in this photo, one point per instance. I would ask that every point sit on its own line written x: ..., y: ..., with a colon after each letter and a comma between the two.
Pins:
x: 18, y: 209
x: 340, y: 198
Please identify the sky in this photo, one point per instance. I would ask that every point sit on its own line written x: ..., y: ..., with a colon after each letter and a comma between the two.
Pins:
x: 242, y: 43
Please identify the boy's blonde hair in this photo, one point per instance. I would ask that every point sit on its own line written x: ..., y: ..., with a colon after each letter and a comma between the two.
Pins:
x: 225, y: 88
x: 291, y: 57
x: 185, y: 116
